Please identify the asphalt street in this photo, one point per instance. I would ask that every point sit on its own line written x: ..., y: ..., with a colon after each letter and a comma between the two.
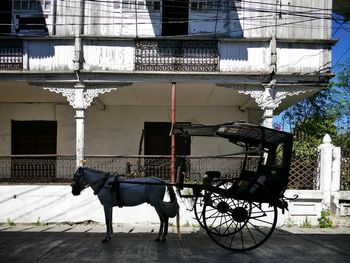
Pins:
x: 81, y: 243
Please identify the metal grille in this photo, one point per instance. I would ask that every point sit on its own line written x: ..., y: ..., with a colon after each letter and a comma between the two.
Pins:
x: 60, y: 169
x: 176, y: 55
x: 36, y: 169
x: 303, y: 174
x: 11, y: 54
x: 345, y: 174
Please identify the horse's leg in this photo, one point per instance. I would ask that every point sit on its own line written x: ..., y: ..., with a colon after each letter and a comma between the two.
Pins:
x: 165, y: 231
x: 108, y: 219
x: 161, y: 227
x: 111, y: 221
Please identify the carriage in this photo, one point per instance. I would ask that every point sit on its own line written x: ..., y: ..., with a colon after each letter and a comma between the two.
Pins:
x: 238, y: 213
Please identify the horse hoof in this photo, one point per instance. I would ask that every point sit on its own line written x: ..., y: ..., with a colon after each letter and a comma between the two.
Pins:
x: 157, y: 239
x: 163, y: 240
x: 105, y: 240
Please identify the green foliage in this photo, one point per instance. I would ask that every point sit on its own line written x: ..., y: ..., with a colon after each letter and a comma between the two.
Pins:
x: 10, y: 222
x: 38, y: 223
x: 343, y: 141
x: 309, y: 134
x: 289, y: 222
x: 327, y: 111
x: 324, y: 221
x: 306, y: 223
x: 187, y: 224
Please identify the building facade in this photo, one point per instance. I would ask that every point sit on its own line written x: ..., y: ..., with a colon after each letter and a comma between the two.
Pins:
x: 93, y: 79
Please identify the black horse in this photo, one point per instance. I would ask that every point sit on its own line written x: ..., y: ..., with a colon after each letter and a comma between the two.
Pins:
x: 129, y: 192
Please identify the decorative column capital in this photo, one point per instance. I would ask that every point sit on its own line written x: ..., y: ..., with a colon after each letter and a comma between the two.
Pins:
x: 80, y: 95
x: 271, y: 96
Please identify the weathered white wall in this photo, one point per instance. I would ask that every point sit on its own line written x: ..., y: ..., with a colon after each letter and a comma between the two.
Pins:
x: 305, y: 19
x: 302, y: 57
x: 119, y: 55
x: 48, y: 55
x: 109, y: 55
x: 244, y: 56
x: 117, y: 129
x: 28, y: 203
x: 55, y: 203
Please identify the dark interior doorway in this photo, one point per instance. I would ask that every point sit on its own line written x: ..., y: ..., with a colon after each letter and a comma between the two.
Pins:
x: 158, y: 142
x: 5, y: 16
x: 175, y: 17
x: 31, y: 140
x: 34, y: 137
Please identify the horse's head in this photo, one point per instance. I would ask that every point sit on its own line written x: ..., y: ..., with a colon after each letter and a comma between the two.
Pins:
x: 78, y: 183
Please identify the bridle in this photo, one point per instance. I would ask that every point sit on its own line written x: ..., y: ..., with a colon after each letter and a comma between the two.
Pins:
x: 79, y: 183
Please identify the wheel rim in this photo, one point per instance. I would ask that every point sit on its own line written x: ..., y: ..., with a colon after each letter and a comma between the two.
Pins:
x: 198, y: 210
x: 200, y: 200
x: 245, y: 226
x: 224, y: 216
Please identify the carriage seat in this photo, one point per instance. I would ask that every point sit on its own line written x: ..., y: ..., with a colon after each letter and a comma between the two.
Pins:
x: 209, y: 176
x: 266, y: 184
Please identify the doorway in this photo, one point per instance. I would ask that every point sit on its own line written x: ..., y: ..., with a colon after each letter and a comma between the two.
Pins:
x: 158, y: 142
x: 32, y: 141
x: 175, y: 17
x: 5, y: 16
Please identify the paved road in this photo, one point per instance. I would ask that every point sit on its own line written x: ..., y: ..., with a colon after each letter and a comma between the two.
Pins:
x: 82, y: 244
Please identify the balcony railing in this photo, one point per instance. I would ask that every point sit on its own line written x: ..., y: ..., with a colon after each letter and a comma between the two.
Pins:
x: 59, y: 169
x: 11, y: 54
x: 176, y: 55
x: 24, y: 169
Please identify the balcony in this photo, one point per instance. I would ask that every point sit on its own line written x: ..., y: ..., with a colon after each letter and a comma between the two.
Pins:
x: 177, y: 55
x: 11, y: 54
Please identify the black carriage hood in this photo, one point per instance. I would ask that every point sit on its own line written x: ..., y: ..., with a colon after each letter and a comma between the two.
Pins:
x: 235, y: 132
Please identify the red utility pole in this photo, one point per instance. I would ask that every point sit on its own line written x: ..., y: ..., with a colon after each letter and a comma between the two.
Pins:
x: 173, y: 120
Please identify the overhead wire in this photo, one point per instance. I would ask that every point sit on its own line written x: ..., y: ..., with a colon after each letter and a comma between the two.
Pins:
x: 248, y: 20
x: 242, y: 18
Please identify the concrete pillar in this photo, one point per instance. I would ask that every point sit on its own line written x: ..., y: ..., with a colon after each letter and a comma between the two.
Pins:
x: 80, y: 133
x: 329, y: 168
x: 267, y: 118
x: 79, y: 106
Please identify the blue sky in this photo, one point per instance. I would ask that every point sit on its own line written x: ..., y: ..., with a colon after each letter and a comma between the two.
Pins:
x: 340, y: 51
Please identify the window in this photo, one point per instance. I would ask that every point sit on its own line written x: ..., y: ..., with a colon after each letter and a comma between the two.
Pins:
x: 204, y: 5
x: 32, y: 5
x: 142, y: 5
x: 32, y: 23
x: 128, y: 5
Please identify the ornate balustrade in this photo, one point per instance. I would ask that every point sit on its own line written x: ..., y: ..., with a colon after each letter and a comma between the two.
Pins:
x: 11, y: 54
x: 24, y: 169
x: 176, y: 55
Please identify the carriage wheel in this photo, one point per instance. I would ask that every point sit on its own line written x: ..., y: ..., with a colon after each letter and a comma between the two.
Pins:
x: 238, y: 225
x: 198, y: 210
x: 200, y: 200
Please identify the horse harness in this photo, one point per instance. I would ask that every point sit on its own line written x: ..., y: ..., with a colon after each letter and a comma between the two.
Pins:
x: 110, y: 180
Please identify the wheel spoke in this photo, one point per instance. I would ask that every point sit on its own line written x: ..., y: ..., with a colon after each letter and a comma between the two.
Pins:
x: 250, y: 233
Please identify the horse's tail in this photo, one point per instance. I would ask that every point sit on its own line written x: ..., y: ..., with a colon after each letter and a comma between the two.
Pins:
x: 173, y: 199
